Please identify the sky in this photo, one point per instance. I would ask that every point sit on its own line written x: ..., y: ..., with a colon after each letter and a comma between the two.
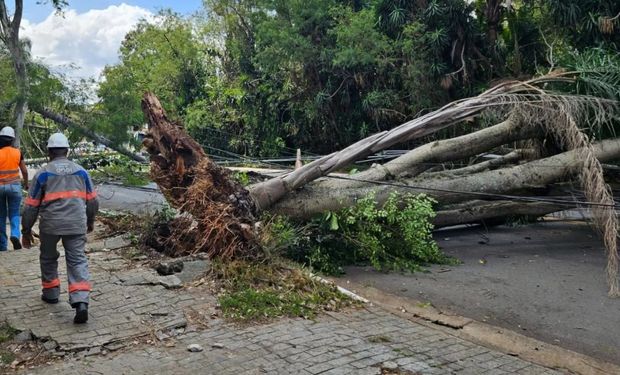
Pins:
x: 86, y: 38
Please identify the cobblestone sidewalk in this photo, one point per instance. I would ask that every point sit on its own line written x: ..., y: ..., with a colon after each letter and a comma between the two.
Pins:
x: 130, y: 302
x: 125, y: 302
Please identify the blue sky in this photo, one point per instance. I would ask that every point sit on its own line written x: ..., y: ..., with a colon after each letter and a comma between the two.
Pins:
x: 38, y: 12
x: 86, y: 37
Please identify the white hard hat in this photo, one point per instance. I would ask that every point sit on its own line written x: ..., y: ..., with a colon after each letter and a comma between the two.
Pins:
x: 57, y: 140
x: 7, y: 131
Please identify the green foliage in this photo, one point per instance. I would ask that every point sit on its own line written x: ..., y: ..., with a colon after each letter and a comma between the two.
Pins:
x: 601, y: 72
x: 242, y: 177
x: 279, y: 235
x: 164, y: 58
x: 166, y: 213
x: 6, y: 357
x: 263, y: 291
x: 393, y: 237
x: 259, y: 77
x: 396, y: 236
x: 116, y: 168
x: 6, y: 332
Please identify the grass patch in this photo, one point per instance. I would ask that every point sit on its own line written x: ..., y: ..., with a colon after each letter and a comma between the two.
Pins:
x: 264, y: 291
x: 131, y: 176
x: 6, y: 357
x: 7, y: 333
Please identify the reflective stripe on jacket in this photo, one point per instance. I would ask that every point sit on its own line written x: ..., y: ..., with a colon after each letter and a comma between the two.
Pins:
x: 9, y: 165
x: 62, y: 194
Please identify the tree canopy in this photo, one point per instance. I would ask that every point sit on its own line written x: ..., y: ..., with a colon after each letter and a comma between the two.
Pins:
x: 267, y: 75
x: 262, y: 77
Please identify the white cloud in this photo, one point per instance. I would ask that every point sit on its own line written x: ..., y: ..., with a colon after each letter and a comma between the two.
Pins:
x: 88, y: 40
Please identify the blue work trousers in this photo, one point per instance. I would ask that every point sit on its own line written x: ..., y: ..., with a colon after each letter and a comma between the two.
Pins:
x: 10, y: 201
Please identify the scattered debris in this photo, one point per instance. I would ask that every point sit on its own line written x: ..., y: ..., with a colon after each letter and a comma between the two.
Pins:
x: 194, y: 348
x: 379, y: 339
x: 169, y: 268
x: 114, y: 346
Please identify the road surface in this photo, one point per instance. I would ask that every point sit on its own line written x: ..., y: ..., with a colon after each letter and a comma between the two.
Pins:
x: 545, y: 281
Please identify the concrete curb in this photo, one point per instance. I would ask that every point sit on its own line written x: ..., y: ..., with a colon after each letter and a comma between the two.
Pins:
x: 342, y: 290
x: 501, y: 339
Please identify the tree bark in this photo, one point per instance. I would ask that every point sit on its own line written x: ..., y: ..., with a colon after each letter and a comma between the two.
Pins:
x: 510, y: 158
x: 9, y: 34
x: 492, y: 13
x: 422, y: 158
x: 67, y: 122
x: 313, y: 200
x: 475, y: 212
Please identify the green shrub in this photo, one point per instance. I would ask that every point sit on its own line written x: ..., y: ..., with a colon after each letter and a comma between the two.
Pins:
x: 396, y: 236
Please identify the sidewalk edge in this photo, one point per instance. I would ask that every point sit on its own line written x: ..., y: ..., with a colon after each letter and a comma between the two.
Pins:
x: 501, y: 339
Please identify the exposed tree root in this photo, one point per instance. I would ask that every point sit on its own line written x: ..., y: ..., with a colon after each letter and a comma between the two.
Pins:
x: 216, y: 214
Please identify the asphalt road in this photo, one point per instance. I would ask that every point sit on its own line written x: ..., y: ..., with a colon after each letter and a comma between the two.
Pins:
x: 135, y: 200
x: 545, y: 281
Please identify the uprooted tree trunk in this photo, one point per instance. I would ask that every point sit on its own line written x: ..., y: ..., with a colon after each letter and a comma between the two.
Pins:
x: 218, y: 212
x: 69, y: 123
x: 315, y: 199
x: 213, y: 207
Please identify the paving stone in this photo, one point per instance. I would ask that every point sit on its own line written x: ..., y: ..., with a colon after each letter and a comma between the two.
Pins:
x: 170, y: 281
x: 117, y: 242
x: 129, y: 301
x: 389, y: 365
x: 23, y: 336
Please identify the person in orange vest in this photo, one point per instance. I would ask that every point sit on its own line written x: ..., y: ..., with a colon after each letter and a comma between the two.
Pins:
x: 11, y: 162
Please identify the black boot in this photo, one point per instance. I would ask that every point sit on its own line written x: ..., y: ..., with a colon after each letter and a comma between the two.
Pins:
x: 49, y: 300
x: 81, y: 312
x: 16, y: 243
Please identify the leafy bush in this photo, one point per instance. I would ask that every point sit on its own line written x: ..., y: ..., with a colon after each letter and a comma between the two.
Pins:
x: 396, y: 236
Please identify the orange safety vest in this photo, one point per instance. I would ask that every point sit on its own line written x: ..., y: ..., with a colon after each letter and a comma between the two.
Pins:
x: 9, y: 165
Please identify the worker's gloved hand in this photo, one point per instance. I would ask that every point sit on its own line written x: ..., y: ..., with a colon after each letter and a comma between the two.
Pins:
x: 90, y: 227
x: 27, y: 240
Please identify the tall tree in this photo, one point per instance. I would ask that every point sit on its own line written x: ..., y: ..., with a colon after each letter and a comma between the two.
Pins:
x: 165, y: 58
x: 9, y: 35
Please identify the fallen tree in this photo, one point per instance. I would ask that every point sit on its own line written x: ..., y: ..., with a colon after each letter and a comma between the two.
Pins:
x: 69, y: 123
x: 315, y: 199
x: 217, y: 214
